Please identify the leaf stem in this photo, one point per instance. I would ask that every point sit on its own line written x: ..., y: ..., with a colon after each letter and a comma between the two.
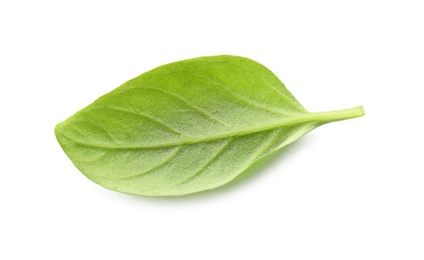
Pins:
x: 337, y: 115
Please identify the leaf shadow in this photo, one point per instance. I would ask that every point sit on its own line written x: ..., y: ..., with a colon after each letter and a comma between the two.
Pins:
x: 245, y: 179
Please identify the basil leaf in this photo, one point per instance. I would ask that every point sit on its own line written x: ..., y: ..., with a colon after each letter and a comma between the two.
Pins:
x: 187, y: 126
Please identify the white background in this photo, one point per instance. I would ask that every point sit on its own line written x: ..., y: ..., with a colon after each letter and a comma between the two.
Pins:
x: 348, y: 190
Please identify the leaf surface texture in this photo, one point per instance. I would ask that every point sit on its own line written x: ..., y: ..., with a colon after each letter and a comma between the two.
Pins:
x: 187, y: 126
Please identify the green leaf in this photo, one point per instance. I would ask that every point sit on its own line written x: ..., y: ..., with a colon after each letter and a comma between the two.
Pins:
x: 187, y: 126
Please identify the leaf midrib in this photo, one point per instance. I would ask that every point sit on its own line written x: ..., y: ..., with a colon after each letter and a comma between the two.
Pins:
x: 320, y: 118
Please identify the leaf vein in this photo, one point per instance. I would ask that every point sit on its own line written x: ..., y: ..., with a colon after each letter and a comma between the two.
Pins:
x: 239, y: 96
x: 284, y: 95
x: 209, y: 162
x: 284, y: 122
x: 274, y: 139
x: 100, y: 126
x: 196, y: 108
x: 151, y: 118
x: 166, y: 161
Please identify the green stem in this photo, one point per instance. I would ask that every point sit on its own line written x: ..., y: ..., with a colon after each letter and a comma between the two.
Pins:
x: 337, y: 115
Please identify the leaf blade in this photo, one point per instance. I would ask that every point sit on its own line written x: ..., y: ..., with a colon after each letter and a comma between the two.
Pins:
x: 159, y: 135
